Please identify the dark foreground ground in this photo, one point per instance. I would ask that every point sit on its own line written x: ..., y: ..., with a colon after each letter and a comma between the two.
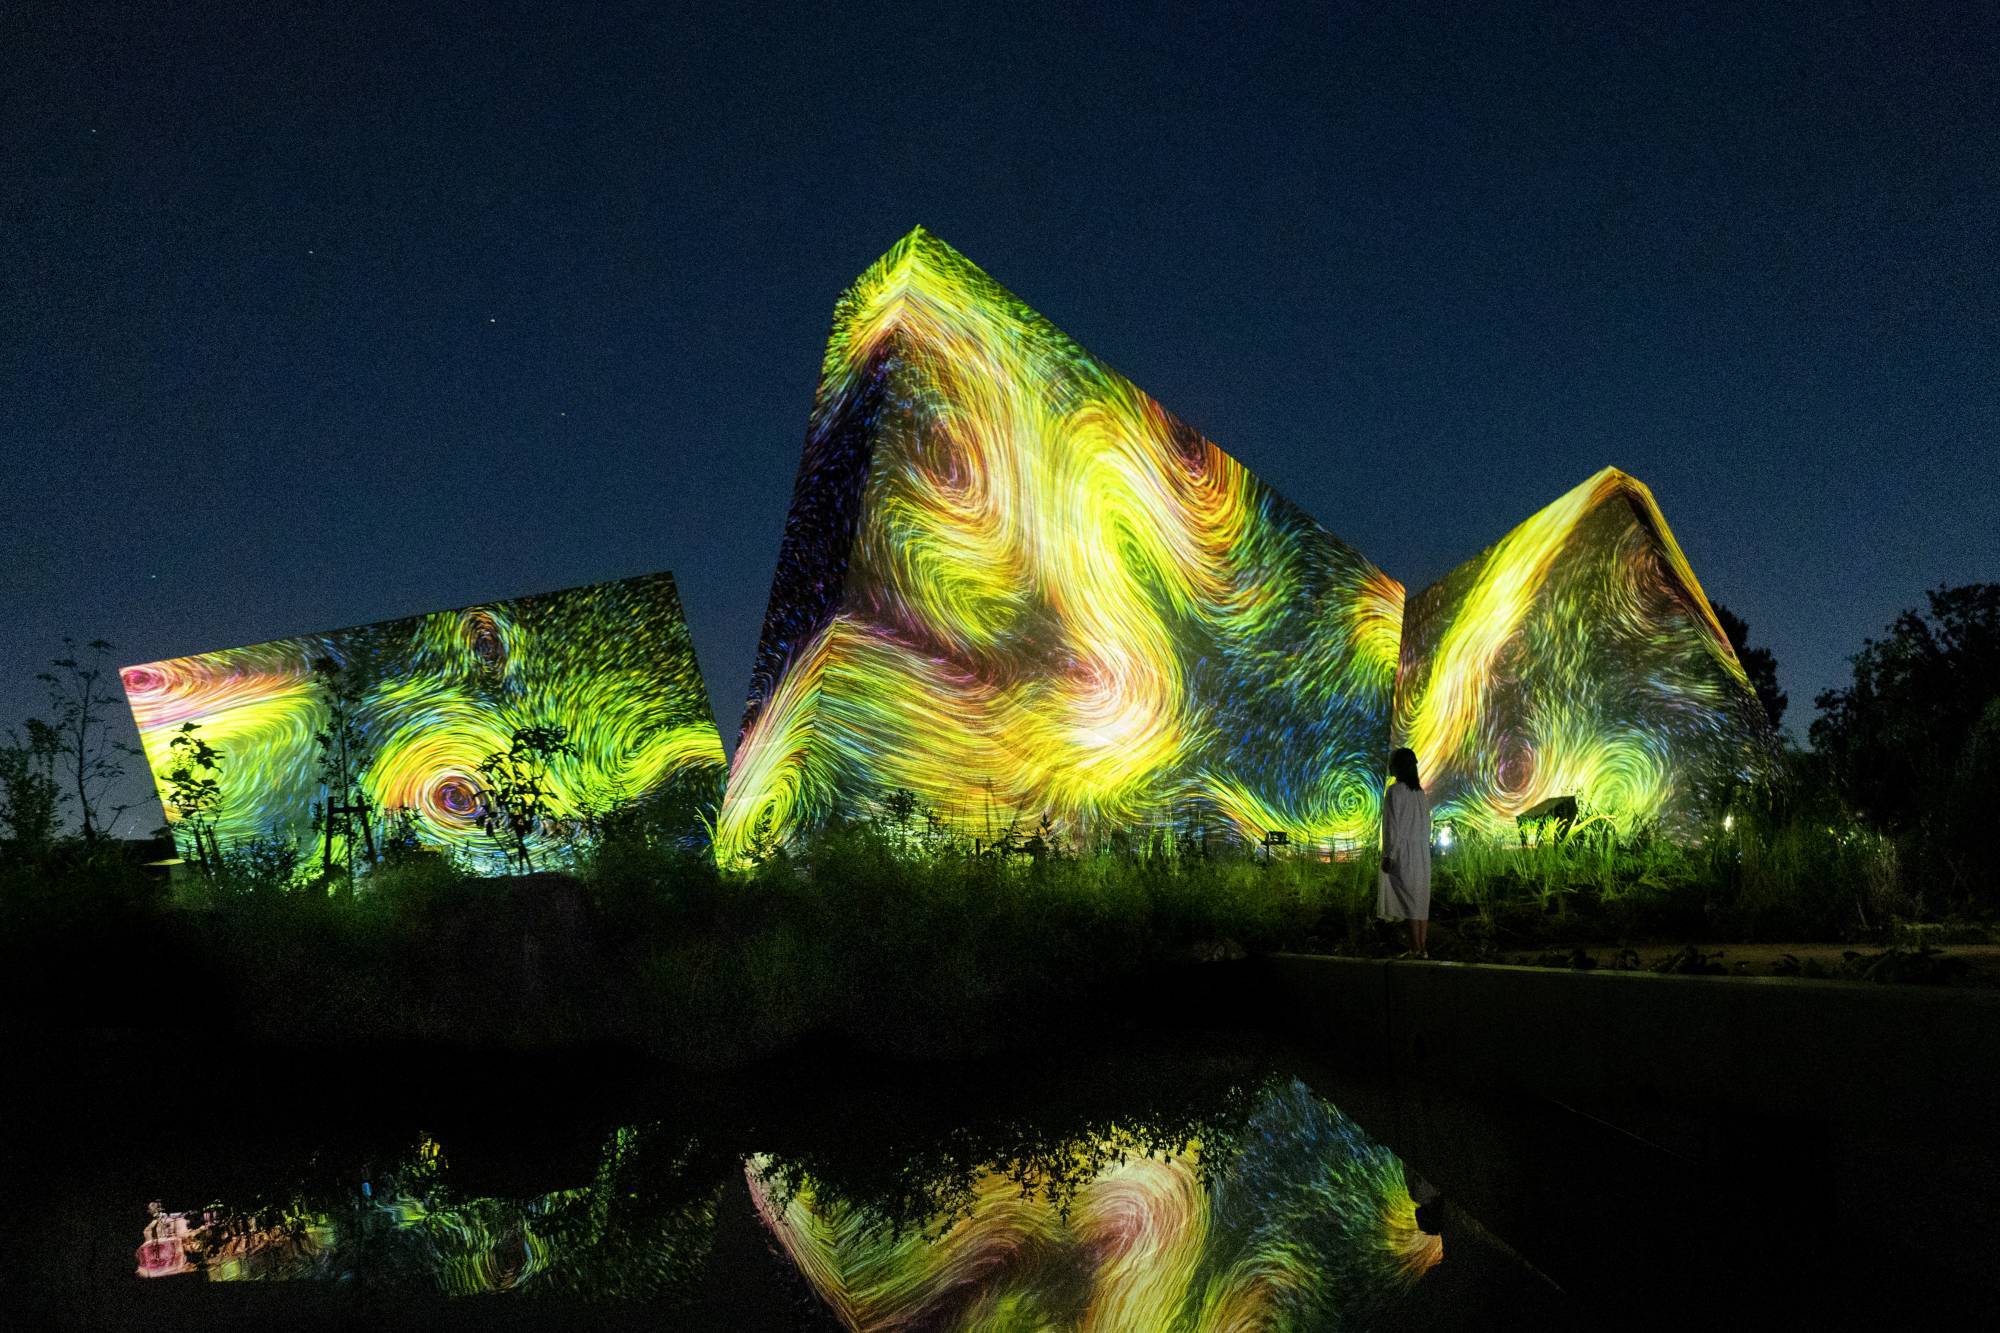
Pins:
x: 1657, y: 1141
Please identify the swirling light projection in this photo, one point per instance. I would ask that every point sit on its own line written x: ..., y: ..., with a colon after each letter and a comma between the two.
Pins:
x: 437, y: 694
x: 1014, y: 585
x: 612, y: 1239
x: 1578, y: 657
x: 1307, y: 1224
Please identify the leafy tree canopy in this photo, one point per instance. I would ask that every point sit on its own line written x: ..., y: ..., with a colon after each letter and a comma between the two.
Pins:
x: 1902, y: 735
x: 1759, y: 663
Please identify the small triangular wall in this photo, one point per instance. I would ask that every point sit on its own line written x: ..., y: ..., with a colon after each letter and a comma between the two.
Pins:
x: 1577, y: 656
x: 432, y: 697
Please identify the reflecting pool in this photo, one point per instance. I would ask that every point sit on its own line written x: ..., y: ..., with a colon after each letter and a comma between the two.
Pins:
x: 1210, y: 1191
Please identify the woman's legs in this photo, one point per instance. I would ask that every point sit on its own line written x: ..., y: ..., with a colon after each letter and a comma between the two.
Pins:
x: 1420, y: 930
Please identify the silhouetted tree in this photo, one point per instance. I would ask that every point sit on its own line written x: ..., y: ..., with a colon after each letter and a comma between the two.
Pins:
x: 31, y: 800
x: 80, y: 703
x: 516, y: 786
x: 900, y: 806
x: 344, y: 758
x: 1758, y: 663
x: 194, y: 794
x: 1912, y: 741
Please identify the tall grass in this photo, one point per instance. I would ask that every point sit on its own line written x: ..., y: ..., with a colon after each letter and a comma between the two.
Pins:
x: 1746, y: 876
x: 903, y: 940
x: 910, y: 945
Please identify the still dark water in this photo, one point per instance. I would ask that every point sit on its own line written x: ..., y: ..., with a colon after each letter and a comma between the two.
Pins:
x: 1208, y: 1183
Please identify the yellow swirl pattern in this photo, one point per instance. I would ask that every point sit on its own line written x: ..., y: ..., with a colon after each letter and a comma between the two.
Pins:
x: 1309, y: 1225
x: 1016, y: 586
x: 1576, y: 657
x: 434, y: 696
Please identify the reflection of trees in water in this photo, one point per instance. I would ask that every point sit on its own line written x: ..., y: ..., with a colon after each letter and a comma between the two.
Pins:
x: 640, y: 1230
x: 1273, y: 1210
x: 927, y: 1178
x: 226, y: 1245
x: 622, y: 1237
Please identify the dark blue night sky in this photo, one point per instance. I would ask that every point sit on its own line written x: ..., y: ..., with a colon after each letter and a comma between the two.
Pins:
x: 321, y: 317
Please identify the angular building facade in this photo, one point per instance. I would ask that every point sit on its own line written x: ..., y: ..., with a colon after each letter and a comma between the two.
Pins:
x: 1017, y: 588
x: 429, y: 700
x: 1577, y: 657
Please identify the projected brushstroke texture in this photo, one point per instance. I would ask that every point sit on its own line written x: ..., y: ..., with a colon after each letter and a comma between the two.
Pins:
x: 1308, y: 1225
x: 609, y: 1240
x: 613, y: 663
x: 1014, y: 585
x: 1578, y: 656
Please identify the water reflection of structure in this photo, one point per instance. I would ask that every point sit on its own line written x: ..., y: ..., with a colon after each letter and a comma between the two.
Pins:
x: 163, y: 1249
x: 228, y: 1246
x: 1245, y: 1206
x: 1302, y: 1222
x: 409, y: 1227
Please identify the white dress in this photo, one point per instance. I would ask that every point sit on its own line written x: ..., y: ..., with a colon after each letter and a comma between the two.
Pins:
x: 1406, y: 843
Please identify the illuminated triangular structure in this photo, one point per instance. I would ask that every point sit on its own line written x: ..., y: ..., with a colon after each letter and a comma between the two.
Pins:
x: 431, y: 699
x: 1577, y: 656
x: 1018, y: 589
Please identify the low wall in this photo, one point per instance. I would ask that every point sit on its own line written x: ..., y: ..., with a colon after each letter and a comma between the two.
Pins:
x: 1739, y: 1123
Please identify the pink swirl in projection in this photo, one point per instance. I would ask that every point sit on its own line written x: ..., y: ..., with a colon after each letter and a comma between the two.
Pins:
x: 457, y: 797
x: 183, y: 689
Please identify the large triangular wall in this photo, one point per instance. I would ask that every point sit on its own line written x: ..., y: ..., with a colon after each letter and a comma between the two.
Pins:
x: 1017, y: 588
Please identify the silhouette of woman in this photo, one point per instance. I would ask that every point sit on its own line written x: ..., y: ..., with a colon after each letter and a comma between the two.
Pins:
x: 1403, y: 890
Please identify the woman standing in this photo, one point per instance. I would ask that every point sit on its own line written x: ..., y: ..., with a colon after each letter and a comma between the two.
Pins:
x: 1403, y: 891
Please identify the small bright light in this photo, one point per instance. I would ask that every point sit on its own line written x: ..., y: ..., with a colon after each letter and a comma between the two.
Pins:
x: 1728, y: 822
x: 1444, y: 836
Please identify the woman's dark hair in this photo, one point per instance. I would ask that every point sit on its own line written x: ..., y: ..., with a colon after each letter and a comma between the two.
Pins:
x: 1403, y: 768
